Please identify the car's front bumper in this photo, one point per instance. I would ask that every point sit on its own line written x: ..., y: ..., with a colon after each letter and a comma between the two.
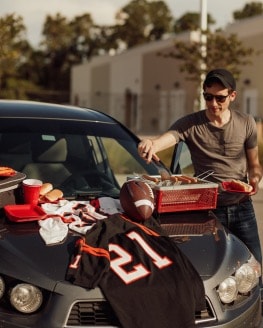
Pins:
x: 71, y: 306
x: 249, y: 316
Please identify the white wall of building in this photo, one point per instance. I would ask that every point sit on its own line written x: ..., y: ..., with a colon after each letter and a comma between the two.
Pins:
x: 159, y: 93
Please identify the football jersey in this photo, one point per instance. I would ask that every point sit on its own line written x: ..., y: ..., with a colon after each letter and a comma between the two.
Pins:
x: 145, y: 277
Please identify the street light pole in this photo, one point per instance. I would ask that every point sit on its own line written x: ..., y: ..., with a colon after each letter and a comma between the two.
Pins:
x: 203, y: 42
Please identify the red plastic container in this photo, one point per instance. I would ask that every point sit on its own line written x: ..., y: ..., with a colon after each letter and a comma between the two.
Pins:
x: 24, y: 213
x: 186, y: 197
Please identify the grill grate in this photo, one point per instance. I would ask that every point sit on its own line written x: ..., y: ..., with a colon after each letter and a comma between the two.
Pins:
x: 188, y: 229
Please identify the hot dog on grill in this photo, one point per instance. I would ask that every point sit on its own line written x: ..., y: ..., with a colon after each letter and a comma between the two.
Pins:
x: 150, y: 178
x: 186, y: 179
x: 173, y: 178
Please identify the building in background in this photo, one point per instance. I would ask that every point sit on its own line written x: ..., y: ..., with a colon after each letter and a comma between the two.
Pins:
x: 250, y: 85
x: 148, y: 92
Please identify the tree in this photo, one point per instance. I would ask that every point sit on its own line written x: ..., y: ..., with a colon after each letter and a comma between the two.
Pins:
x: 160, y: 20
x: 222, y: 51
x: 190, y: 22
x: 249, y: 10
x: 142, y: 21
x: 14, y: 50
x: 90, y: 39
x: 55, y: 44
x: 66, y: 43
x: 83, y: 33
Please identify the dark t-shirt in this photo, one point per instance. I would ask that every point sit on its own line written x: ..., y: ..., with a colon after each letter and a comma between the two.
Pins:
x: 220, y: 149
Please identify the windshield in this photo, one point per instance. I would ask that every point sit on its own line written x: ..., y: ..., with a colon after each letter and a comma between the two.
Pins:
x: 80, y: 158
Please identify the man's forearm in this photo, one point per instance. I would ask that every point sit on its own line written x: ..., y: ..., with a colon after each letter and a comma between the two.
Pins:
x: 256, y: 173
x: 164, y: 141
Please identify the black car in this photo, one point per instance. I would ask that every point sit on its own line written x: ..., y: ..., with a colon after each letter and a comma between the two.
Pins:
x: 89, y: 155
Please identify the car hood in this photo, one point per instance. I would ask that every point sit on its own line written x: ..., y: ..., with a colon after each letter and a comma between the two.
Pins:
x: 25, y: 256
x: 211, y: 254
x: 210, y: 247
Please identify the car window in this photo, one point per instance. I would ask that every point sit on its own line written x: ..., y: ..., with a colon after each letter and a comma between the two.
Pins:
x: 120, y: 160
x: 181, y: 161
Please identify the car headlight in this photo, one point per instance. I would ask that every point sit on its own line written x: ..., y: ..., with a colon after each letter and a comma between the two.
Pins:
x: 242, y: 281
x: 246, y: 278
x: 26, y: 298
x: 255, y: 265
x: 227, y: 290
x: 2, y: 287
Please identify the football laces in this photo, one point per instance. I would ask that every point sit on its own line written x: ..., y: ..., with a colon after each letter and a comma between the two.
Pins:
x: 150, y: 190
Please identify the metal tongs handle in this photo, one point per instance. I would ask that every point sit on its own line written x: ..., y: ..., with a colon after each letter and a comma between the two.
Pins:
x: 204, y: 175
x: 162, y: 169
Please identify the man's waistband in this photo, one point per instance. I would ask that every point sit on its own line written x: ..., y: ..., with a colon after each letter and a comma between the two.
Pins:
x: 225, y: 203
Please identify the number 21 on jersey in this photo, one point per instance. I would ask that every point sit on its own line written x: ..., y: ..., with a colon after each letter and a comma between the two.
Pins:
x: 138, y: 271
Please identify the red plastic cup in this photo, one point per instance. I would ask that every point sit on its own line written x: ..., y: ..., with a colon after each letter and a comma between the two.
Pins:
x: 31, y: 190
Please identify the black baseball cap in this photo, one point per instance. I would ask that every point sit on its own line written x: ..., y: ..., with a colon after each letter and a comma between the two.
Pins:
x: 224, y: 76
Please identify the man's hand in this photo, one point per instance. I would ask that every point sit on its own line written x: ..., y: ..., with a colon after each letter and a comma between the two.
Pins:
x: 255, y: 170
x: 254, y: 181
x: 146, y: 150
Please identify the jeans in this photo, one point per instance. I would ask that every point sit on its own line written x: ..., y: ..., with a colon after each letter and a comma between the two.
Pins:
x: 240, y: 219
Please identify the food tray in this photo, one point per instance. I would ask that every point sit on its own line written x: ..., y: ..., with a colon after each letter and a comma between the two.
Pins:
x: 7, y: 174
x: 24, y: 213
x: 227, y: 188
x: 186, y: 197
x: 11, y: 182
x: 10, y: 193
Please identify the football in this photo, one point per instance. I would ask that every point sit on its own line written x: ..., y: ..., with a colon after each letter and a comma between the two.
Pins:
x: 137, y: 200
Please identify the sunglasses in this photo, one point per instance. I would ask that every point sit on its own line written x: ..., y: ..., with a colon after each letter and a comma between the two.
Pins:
x: 218, y: 98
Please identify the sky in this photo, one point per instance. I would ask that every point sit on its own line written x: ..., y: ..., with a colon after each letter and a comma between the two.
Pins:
x: 103, y: 12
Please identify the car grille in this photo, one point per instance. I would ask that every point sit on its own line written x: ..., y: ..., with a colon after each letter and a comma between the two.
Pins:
x: 92, y: 314
x: 101, y: 314
x: 207, y: 315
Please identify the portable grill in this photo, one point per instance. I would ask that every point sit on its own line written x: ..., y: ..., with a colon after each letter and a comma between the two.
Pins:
x: 186, y: 197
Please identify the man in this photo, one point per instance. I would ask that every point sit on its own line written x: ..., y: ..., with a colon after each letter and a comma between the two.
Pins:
x: 224, y: 141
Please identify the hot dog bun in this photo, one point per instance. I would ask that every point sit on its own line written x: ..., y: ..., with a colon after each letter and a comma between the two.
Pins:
x: 45, y: 188
x: 54, y: 195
